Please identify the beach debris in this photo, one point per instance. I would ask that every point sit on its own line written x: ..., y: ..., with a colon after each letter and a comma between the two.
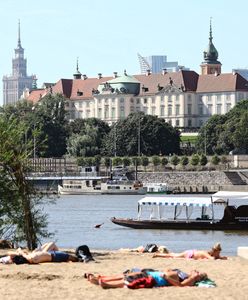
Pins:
x: 98, y: 225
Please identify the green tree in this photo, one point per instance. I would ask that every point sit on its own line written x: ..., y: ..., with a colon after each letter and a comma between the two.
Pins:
x: 126, y: 161
x: 164, y: 161
x: 20, y: 209
x: 203, y: 160
x: 117, y: 161
x: 136, y: 161
x: 195, y: 159
x: 184, y: 161
x: 149, y: 134
x: 156, y: 161
x: 174, y: 160
x: 215, y: 160
x: 144, y: 161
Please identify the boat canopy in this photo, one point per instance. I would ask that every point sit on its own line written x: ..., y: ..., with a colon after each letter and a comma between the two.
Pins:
x: 225, y: 195
x: 180, y: 201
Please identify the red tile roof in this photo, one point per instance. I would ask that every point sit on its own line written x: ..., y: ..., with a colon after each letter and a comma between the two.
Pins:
x: 226, y: 82
x: 190, y: 81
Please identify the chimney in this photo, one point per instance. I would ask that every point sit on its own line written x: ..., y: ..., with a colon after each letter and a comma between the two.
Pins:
x: 148, y: 72
x: 85, y: 76
x: 164, y: 71
x: 99, y: 75
x: 115, y: 74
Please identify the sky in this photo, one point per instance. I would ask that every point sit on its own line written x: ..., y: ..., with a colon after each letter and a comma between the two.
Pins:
x: 106, y: 35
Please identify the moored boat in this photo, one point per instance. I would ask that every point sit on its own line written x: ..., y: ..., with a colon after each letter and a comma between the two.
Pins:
x: 101, y: 186
x: 233, y: 218
x: 157, y: 188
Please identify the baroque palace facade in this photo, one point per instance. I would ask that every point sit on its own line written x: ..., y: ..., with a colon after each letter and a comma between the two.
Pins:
x: 184, y: 99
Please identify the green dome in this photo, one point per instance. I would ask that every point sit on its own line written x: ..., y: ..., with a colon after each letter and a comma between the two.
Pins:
x: 125, y: 84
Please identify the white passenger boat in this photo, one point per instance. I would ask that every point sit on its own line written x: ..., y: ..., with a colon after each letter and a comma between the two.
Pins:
x: 101, y: 186
x: 157, y: 188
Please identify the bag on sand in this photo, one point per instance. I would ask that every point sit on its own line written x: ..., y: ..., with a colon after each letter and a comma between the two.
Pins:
x: 139, y: 281
x: 151, y: 248
x: 83, y: 253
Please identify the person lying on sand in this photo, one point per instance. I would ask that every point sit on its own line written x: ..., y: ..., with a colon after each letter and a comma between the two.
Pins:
x: 148, y: 279
x: 213, y: 253
x: 48, y: 252
x: 149, y: 248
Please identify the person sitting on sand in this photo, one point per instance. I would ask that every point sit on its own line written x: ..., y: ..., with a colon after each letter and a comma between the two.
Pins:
x: 168, y: 277
x: 48, y: 252
x: 213, y: 253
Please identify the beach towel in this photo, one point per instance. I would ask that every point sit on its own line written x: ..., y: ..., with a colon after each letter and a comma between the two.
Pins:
x: 207, y: 283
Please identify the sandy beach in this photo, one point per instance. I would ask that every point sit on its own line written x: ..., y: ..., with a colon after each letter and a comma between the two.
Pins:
x: 66, y: 281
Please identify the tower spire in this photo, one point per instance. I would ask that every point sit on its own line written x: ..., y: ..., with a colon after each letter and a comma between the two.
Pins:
x: 210, y: 31
x: 77, y: 74
x: 19, y: 35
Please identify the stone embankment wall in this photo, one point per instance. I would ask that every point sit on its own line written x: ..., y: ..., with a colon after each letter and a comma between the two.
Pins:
x: 193, y: 182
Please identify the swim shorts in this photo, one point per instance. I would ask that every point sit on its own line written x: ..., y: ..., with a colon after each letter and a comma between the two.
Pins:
x: 59, y: 256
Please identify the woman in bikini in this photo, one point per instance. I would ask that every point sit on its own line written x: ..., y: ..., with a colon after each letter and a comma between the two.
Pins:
x: 213, y: 253
x: 160, y: 279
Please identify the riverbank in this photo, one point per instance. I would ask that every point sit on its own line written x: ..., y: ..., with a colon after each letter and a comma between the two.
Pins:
x: 65, y: 280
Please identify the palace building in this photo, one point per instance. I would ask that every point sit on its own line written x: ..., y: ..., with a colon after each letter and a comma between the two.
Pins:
x: 185, y: 99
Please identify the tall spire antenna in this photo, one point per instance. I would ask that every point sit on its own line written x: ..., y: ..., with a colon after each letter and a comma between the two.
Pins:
x: 77, y: 64
x: 210, y: 31
x: 19, y: 34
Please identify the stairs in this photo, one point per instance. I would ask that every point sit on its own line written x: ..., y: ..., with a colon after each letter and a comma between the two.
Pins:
x: 235, y: 178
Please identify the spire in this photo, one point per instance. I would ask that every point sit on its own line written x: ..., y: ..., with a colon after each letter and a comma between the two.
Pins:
x: 210, y: 31
x: 77, y: 74
x: 19, y: 35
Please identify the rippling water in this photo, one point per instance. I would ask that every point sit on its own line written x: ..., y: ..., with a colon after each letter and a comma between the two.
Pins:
x: 73, y: 220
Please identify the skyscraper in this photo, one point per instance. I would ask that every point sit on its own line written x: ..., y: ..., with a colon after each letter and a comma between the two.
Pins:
x: 14, y: 84
x: 156, y: 64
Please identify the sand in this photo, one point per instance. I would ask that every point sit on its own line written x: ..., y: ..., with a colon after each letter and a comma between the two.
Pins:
x: 65, y: 280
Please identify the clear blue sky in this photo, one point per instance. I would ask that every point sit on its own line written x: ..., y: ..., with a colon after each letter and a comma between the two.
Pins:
x: 107, y: 34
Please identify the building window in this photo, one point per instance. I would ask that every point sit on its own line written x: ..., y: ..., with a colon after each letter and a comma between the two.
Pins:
x: 218, y: 98
x: 122, y: 112
x: 87, y: 104
x: 137, y: 108
x: 80, y: 105
x: 113, y: 112
x: 228, y: 107
x: 87, y: 113
x: 113, y: 101
x: 169, y: 110
x: 153, y: 110
x: 228, y: 97
x: 219, y: 108
x: 145, y: 110
x: 210, y: 109
x: 200, y: 110
x: 122, y: 100
x: 137, y: 101
x: 131, y: 100
x: 200, y: 123
x: 177, y: 123
x: 189, y: 97
x: 169, y: 98
x: 189, y: 122
x: 131, y: 109
x: 145, y: 101
x: 189, y: 109
x: 177, y: 110
x: 209, y: 98
x: 177, y: 98
x: 153, y: 100
x: 106, y: 112
x: 162, y: 110
x: 99, y: 113
x: 241, y: 96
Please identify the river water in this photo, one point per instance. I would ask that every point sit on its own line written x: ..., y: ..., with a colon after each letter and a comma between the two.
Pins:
x: 72, y: 219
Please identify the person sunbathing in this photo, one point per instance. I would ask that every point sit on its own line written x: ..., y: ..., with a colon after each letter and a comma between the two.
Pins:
x: 148, y: 279
x: 48, y: 252
x: 149, y: 248
x: 213, y: 253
